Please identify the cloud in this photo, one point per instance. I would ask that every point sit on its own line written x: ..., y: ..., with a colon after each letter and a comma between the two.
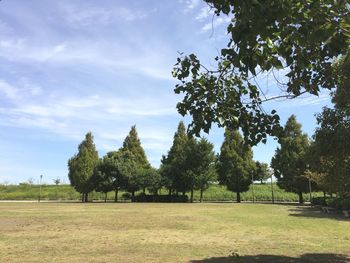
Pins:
x: 86, y: 16
x: 205, y: 12
x: 69, y: 116
x: 8, y: 90
x: 148, y: 61
x: 190, y: 4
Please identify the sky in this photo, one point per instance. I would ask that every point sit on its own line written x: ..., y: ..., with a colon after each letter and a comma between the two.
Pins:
x: 70, y: 67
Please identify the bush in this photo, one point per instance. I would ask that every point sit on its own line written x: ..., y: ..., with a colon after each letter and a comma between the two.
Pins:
x: 319, y: 201
x: 160, y: 198
x: 345, y: 204
x: 334, y: 202
x: 126, y: 195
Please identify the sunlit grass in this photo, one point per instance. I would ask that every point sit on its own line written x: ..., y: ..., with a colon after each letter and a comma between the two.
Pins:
x: 129, y: 232
x: 214, y: 193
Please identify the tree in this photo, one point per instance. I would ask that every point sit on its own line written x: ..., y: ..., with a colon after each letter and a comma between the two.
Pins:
x: 203, y: 165
x: 302, y: 38
x: 154, y: 180
x: 132, y: 144
x: 82, y: 167
x: 262, y: 172
x: 289, y: 162
x: 173, y: 163
x: 57, y: 181
x: 332, y: 138
x: 102, y: 178
x: 235, y: 164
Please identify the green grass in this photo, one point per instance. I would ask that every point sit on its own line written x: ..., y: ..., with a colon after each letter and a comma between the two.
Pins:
x: 134, y: 232
x: 214, y: 193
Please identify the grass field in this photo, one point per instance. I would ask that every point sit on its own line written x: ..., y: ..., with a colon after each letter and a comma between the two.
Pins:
x: 136, y: 232
x: 214, y: 193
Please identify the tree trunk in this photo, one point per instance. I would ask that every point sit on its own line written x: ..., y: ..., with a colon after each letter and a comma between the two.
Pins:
x: 86, y: 197
x: 238, y: 197
x: 201, y: 197
x: 301, y: 199
x: 133, y: 193
x: 106, y: 197
x: 183, y: 193
x: 116, y: 196
x: 192, y: 195
x: 324, y: 194
x: 169, y: 192
x: 144, y: 190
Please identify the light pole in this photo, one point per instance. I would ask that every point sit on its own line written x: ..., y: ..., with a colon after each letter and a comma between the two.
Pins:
x: 273, y: 196
x: 41, y: 177
x: 253, y: 188
x: 310, y: 191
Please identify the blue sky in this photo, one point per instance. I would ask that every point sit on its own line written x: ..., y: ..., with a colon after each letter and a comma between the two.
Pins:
x: 69, y: 67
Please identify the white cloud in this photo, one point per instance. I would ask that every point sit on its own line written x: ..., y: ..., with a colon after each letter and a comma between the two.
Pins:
x: 205, y: 12
x: 190, y: 4
x: 8, y: 90
x: 86, y: 16
x: 107, y: 55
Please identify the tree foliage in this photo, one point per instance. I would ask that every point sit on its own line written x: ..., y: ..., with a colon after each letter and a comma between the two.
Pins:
x: 82, y: 166
x: 301, y: 37
x: 201, y: 165
x: 173, y: 163
x: 332, y: 139
x: 132, y: 143
x: 261, y: 172
x: 235, y: 164
x: 138, y: 160
x: 289, y: 162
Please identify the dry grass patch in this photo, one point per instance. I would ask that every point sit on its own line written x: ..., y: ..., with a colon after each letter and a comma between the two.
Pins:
x: 62, y: 232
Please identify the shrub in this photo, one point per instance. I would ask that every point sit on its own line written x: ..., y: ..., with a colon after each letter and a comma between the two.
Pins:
x: 319, y: 201
x: 160, y: 198
x: 126, y: 195
x: 345, y: 204
x: 334, y: 202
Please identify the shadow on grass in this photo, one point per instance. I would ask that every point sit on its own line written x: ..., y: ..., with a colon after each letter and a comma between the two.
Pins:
x: 315, y: 213
x: 306, y: 258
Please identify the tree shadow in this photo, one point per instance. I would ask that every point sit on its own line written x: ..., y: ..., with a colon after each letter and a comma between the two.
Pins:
x: 316, y: 213
x: 305, y: 258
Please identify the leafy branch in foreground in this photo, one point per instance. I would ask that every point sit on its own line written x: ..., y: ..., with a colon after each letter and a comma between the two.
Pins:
x: 302, y: 38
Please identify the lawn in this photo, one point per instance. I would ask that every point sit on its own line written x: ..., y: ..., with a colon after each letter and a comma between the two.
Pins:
x: 136, y: 232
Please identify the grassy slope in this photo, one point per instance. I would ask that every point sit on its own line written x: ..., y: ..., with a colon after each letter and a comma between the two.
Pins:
x: 127, y: 232
x: 214, y: 193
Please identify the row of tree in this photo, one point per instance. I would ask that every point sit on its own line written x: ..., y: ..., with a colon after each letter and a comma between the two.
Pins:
x: 191, y: 164
x: 299, y: 163
x: 323, y: 162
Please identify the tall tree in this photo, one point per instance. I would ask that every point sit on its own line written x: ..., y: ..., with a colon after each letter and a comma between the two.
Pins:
x: 301, y: 38
x: 132, y: 144
x: 173, y: 163
x: 82, y: 166
x: 203, y: 165
x: 235, y: 164
x: 102, y: 180
x: 332, y: 137
x: 289, y: 162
